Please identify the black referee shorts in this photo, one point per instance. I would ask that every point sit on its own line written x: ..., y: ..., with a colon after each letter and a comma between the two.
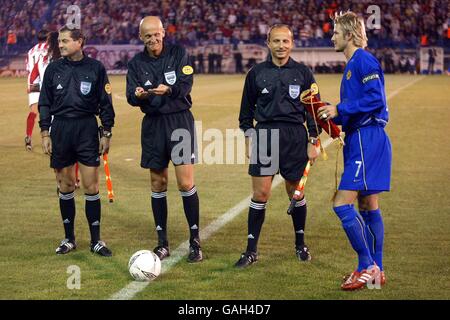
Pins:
x: 279, y: 148
x: 168, y: 137
x: 74, y: 140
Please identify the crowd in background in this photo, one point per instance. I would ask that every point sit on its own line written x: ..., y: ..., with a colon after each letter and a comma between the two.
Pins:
x: 192, y: 23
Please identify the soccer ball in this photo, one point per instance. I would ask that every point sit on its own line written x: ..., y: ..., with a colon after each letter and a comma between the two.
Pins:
x: 144, y: 265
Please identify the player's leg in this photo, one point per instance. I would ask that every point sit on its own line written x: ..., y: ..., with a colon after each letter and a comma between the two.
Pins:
x: 66, y: 181
x: 298, y: 216
x: 370, y: 211
x: 185, y: 181
x: 257, y: 210
x: 31, y: 119
x: 158, y: 183
x: 354, y: 227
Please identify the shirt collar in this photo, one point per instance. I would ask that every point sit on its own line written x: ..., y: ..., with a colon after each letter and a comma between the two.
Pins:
x: 163, y: 53
x: 288, y: 64
x: 75, y: 63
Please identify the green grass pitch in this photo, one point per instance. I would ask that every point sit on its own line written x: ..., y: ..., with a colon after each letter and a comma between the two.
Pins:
x: 416, y: 211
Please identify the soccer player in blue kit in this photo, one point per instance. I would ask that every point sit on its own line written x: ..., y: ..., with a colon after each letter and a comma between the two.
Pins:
x: 363, y: 114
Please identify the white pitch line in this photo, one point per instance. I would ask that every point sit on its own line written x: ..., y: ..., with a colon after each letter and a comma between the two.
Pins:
x: 182, y: 250
x: 397, y: 91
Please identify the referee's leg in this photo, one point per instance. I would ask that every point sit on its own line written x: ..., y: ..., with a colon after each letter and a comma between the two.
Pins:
x: 257, y: 211
x: 89, y: 180
x: 66, y: 182
x: 158, y: 183
x: 191, y: 205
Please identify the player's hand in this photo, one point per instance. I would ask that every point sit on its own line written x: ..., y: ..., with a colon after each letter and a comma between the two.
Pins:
x: 313, y: 152
x: 160, y: 90
x: 104, y: 145
x: 46, y: 143
x: 141, y: 94
x: 327, y: 112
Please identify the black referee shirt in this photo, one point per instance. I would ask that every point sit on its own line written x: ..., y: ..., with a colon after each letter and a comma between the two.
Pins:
x: 272, y: 94
x: 171, y: 68
x: 74, y: 89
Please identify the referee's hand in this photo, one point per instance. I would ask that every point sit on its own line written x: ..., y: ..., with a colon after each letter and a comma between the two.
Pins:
x: 141, y: 94
x: 313, y: 152
x: 104, y: 145
x: 46, y: 143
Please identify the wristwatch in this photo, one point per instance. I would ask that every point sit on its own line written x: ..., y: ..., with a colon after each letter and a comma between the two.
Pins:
x: 313, y: 140
x: 103, y: 133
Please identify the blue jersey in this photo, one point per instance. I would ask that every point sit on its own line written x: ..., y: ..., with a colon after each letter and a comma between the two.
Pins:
x: 363, y: 100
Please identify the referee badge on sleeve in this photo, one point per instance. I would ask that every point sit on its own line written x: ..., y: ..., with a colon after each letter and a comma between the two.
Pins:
x: 108, y: 89
x: 188, y: 70
x: 85, y: 87
x: 294, y: 91
x: 171, y: 77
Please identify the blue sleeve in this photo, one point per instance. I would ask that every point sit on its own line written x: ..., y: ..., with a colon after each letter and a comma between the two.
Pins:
x: 372, y: 86
x: 338, y: 120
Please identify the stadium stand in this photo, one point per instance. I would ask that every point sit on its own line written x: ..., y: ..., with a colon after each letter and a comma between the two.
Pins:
x: 405, y: 25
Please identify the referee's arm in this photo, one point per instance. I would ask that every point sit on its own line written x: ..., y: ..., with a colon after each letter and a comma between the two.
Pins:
x: 105, y: 100
x: 46, y: 100
x: 248, y: 103
x: 185, y: 77
x: 310, y: 123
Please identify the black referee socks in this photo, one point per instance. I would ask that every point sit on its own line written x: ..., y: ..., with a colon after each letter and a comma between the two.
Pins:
x: 192, y: 211
x: 67, y: 208
x: 159, y: 208
x: 93, y: 213
x: 256, y: 215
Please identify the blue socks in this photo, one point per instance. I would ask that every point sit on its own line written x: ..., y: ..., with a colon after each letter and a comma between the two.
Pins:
x: 355, y: 229
x: 374, y: 234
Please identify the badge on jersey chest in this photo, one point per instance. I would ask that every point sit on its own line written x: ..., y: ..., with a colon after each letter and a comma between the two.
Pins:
x: 294, y: 91
x: 171, y: 77
x: 85, y: 87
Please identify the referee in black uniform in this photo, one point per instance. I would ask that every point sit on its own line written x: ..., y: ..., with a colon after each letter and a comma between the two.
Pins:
x: 75, y: 89
x: 280, y: 139
x: 159, y: 81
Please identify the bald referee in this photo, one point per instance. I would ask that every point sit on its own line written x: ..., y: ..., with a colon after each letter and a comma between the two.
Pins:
x: 159, y: 82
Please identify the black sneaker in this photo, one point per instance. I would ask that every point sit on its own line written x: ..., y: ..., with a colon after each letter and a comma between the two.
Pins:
x: 303, y: 253
x: 66, y: 246
x: 101, y: 249
x: 162, y: 252
x: 28, y: 145
x: 195, y: 251
x: 246, y: 259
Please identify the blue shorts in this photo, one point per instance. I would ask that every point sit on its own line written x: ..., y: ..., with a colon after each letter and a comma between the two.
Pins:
x: 367, y: 161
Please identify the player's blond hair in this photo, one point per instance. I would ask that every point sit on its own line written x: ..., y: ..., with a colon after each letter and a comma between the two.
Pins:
x: 354, y: 25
